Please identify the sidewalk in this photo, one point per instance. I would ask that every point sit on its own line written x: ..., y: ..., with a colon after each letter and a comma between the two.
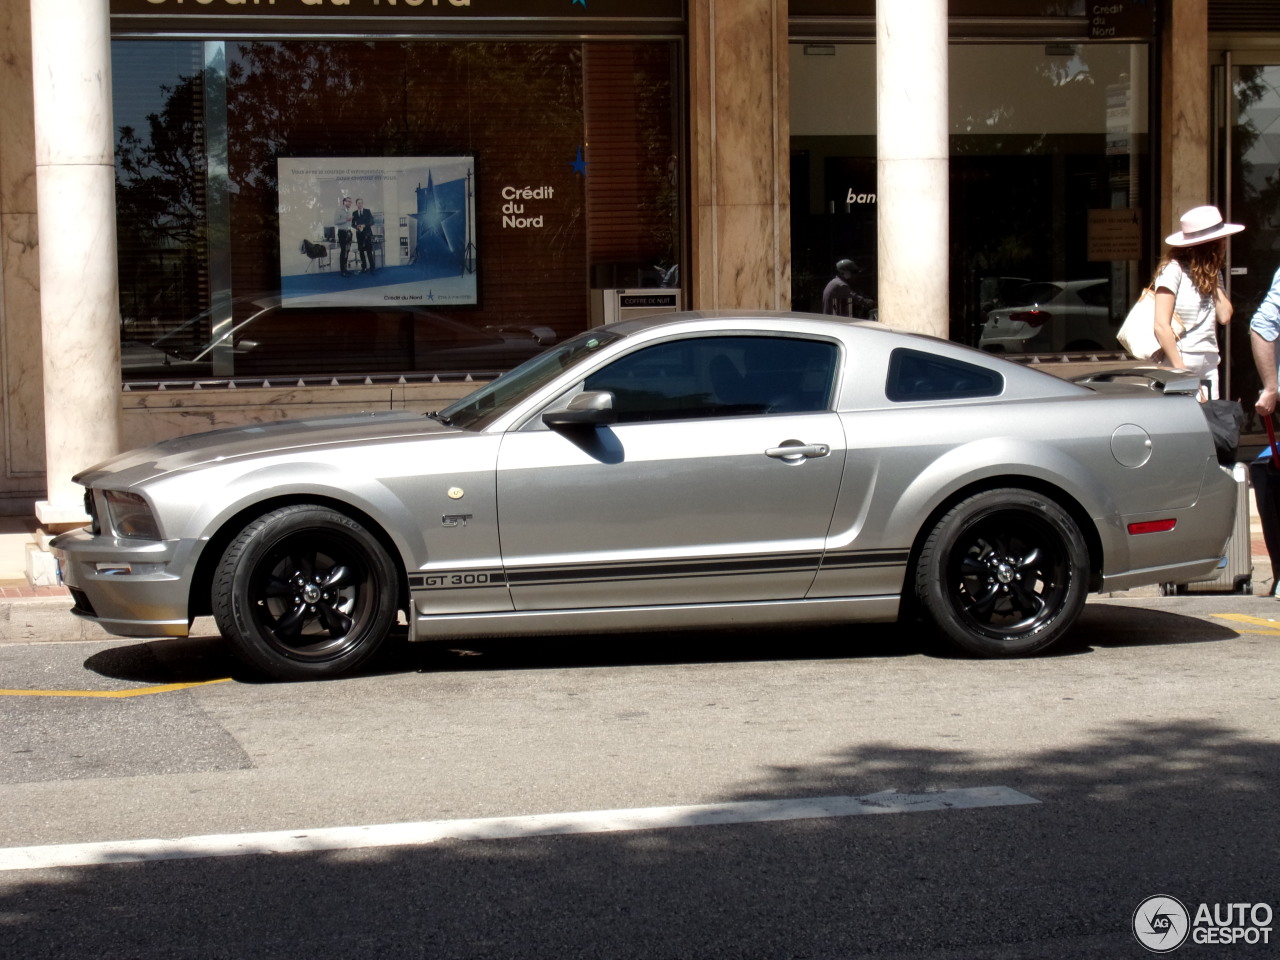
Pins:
x: 29, y: 614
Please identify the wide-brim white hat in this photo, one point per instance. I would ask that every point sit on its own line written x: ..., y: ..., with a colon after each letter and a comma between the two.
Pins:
x: 1200, y: 225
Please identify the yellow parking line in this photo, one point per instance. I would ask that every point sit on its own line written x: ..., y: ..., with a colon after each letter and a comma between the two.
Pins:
x: 113, y: 694
x: 1270, y: 628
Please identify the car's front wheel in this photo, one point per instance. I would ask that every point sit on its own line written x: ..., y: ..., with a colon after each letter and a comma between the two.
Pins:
x: 305, y: 592
x: 1003, y: 573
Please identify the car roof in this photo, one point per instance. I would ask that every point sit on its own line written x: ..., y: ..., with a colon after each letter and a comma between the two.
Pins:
x: 877, y: 337
x: 761, y: 319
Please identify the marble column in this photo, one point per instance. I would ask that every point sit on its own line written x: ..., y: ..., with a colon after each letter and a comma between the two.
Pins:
x: 75, y: 197
x: 741, y: 256
x: 1184, y: 170
x: 912, y: 176
x: 22, y: 393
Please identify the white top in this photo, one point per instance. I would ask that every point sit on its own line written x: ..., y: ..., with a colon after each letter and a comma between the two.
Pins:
x: 1196, y: 311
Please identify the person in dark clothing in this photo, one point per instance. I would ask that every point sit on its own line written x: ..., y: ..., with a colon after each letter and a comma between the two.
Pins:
x: 1264, y: 335
x: 362, y: 220
x: 841, y: 300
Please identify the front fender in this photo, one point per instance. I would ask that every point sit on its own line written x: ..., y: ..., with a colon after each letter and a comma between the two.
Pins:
x: 405, y: 488
x: 323, y: 482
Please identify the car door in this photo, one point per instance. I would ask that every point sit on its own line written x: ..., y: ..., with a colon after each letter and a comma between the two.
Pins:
x: 717, y: 483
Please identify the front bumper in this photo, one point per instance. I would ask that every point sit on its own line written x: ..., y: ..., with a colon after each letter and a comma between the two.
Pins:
x: 131, y: 588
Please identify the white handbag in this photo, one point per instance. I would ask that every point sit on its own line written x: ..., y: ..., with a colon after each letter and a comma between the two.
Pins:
x: 1138, y: 332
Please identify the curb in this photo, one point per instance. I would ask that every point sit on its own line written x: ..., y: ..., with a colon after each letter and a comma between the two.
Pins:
x: 50, y: 620
x: 45, y: 620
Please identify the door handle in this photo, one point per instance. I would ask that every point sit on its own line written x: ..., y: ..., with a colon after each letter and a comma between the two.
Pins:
x: 795, y: 451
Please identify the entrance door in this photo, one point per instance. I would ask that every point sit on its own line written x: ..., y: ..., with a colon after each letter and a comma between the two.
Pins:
x: 1250, y: 182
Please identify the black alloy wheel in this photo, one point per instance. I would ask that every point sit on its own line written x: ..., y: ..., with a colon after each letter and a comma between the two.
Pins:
x: 1003, y: 573
x: 305, y: 592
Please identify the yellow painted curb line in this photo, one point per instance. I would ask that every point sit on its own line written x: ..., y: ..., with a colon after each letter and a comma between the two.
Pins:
x: 113, y: 694
x: 1270, y: 628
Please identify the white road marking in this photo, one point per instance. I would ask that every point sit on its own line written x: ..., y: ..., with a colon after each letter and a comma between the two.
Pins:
x: 499, y: 828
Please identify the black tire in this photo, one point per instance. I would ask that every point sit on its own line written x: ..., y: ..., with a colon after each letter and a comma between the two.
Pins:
x: 305, y: 593
x: 1003, y: 573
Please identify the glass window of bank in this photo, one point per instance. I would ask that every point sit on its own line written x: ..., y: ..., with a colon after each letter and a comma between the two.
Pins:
x: 337, y: 207
x: 1049, y: 190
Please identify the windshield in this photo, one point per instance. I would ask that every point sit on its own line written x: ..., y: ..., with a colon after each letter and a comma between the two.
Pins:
x: 477, y: 410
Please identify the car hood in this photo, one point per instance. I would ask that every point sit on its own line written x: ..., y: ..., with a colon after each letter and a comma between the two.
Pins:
x: 180, y: 453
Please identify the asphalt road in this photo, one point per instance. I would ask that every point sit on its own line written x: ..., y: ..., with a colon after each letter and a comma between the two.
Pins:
x: 1149, y: 741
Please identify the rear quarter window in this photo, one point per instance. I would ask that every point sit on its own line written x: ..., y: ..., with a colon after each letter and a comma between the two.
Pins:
x: 914, y: 375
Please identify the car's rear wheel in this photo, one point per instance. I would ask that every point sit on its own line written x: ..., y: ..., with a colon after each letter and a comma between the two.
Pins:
x: 1003, y: 573
x: 305, y: 592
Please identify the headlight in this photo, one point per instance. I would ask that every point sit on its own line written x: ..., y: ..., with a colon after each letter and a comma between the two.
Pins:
x: 91, y: 508
x: 130, y: 516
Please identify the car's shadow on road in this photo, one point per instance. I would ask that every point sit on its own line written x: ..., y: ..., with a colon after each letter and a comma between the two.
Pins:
x: 1101, y: 626
x: 1113, y: 625
x: 649, y: 649
x: 185, y: 660
x: 201, y: 658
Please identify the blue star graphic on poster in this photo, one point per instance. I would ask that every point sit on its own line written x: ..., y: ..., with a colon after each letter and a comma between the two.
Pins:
x: 437, y: 252
x: 579, y: 165
x: 583, y: 2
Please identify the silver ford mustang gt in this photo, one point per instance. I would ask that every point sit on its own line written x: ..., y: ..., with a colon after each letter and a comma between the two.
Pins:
x: 692, y: 470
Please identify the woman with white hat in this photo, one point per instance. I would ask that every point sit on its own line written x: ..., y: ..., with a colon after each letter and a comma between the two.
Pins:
x: 1188, y: 286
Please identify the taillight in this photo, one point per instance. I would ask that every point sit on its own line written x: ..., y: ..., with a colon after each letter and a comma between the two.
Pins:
x: 1032, y: 318
x: 1153, y: 526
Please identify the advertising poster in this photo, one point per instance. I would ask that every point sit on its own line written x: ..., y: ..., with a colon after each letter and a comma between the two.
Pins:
x: 377, y: 231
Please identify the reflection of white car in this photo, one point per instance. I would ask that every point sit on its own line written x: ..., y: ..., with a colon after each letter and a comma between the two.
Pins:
x: 1053, y: 317
x: 267, y: 338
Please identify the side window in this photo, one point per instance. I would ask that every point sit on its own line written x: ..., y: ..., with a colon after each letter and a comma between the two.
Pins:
x: 730, y: 376
x: 655, y: 383
x: 1095, y: 294
x: 922, y: 376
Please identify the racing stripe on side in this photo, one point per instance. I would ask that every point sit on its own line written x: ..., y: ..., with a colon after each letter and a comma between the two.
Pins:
x: 708, y: 567
x: 589, y: 573
x: 868, y: 558
x: 659, y: 570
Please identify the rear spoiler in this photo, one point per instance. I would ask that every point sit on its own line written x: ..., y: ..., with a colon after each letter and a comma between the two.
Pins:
x: 1162, y: 379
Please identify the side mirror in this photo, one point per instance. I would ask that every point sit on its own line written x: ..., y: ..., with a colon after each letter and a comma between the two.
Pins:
x: 591, y: 409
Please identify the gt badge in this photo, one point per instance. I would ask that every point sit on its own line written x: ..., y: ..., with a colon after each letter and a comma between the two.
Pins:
x: 455, y: 519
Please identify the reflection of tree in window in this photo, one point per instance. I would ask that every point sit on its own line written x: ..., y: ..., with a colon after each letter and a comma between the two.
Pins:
x: 519, y: 107
x: 160, y: 216
x: 1258, y: 180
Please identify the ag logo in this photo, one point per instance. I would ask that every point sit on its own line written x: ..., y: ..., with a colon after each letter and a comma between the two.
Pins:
x: 1161, y: 924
